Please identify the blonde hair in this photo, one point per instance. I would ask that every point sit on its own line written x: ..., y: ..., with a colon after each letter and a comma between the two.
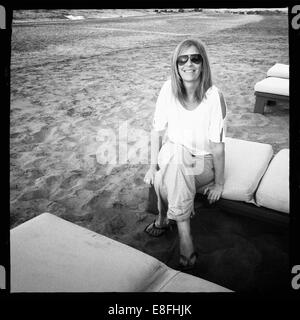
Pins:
x: 205, y: 76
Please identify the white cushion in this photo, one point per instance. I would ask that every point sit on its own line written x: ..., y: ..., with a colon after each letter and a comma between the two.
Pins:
x: 245, y: 164
x: 279, y: 70
x: 49, y: 254
x: 273, y: 85
x: 273, y: 191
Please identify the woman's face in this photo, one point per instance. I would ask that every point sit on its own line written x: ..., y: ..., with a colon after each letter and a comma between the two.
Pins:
x: 189, y: 71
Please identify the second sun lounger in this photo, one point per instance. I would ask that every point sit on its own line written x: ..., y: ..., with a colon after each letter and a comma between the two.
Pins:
x: 257, y: 187
x: 50, y: 254
x: 274, y: 88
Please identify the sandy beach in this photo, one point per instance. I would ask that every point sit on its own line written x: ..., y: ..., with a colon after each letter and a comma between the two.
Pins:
x: 74, y: 84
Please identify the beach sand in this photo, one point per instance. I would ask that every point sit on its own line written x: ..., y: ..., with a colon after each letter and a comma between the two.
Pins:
x: 74, y: 84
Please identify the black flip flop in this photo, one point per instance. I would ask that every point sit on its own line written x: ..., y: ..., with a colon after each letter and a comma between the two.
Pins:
x: 162, y: 230
x: 188, y: 265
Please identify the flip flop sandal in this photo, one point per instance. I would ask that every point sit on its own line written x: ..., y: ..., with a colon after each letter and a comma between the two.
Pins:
x: 159, y: 230
x: 187, y: 265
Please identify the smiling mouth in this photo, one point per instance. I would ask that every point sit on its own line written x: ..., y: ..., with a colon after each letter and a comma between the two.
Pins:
x: 189, y: 71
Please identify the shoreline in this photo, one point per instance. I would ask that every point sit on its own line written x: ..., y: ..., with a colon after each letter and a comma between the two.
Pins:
x: 150, y: 15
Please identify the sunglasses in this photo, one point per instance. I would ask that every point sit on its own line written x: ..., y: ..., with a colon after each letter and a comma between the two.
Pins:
x: 195, y: 58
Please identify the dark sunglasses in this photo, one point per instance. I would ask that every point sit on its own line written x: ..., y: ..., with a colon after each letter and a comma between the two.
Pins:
x: 195, y: 58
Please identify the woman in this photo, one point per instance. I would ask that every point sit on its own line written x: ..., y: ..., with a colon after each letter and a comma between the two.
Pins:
x: 193, y: 111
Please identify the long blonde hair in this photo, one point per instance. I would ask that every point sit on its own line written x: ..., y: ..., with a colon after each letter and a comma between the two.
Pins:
x: 205, y: 76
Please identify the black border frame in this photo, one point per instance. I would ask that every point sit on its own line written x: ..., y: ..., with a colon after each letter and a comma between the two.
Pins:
x: 198, y: 300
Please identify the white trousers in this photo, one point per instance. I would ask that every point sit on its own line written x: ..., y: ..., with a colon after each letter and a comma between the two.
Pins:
x: 179, y: 177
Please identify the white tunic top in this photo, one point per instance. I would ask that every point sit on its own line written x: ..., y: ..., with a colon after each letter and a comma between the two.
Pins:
x: 191, y: 128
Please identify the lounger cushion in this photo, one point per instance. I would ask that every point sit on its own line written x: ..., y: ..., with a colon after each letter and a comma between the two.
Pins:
x: 49, y: 254
x: 273, y: 85
x: 245, y: 164
x: 279, y: 70
x: 187, y: 283
x: 273, y: 191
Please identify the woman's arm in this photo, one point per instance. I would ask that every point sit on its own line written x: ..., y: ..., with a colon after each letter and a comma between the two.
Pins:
x: 156, y: 143
x: 215, y: 191
x: 218, y: 152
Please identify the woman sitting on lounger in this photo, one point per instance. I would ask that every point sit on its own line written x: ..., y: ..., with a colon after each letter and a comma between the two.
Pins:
x: 192, y: 158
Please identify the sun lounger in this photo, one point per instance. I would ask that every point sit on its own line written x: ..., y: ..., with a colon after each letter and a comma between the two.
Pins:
x: 259, y: 187
x: 256, y: 182
x: 279, y: 70
x: 274, y: 88
x: 49, y: 254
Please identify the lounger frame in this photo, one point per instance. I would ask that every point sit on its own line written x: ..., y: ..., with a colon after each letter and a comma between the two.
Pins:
x: 250, y: 210
x: 262, y: 98
x: 273, y: 217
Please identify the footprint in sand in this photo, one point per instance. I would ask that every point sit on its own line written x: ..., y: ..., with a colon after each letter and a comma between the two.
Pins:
x: 43, y: 187
x: 129, y: 200
x: 53, y: 182
x: 14, y: 155
x: 40, y: 162
x: 43, y: 134
x: 71, y: 112
x: 15, y: 135
x: 94, y: 185
x: 33, y: 194
x: 139, y: 181
x: 56, y: 208
x: 71, y: 180
x: 86, y: 114
x: 115, y: 225
x: 34, y: 173
x: 98, y: 201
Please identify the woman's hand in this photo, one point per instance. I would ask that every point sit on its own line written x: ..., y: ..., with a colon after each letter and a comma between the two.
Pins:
x: 149, y: 176
x: 213, y: 192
